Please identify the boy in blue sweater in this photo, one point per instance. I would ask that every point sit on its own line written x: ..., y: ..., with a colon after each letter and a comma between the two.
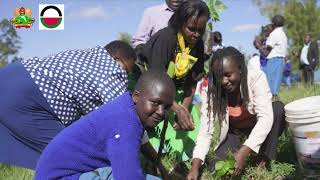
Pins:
x: 111, y: 135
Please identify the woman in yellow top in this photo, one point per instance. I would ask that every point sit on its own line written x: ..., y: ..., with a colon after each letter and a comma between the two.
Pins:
x: 179, y: 50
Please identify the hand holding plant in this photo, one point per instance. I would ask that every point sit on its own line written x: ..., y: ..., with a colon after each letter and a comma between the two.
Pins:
x: 240, y: 157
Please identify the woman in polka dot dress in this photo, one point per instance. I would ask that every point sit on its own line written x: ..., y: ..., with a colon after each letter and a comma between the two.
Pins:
x: 39, y: 97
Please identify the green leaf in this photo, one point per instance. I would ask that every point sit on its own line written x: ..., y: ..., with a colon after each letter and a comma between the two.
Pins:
x: 219, y: 6
x: 219, y: 165
x: 221, y: 172
x: 229, y: 164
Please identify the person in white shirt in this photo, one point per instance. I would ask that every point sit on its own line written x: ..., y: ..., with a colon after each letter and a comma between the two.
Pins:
x: 309, y: 58
x: 238, y: 102
x: 275, y: 50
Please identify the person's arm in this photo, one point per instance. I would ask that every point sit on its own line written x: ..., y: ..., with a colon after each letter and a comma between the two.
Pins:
x: 144, y: 29
x: 184, y: 119
x: 240, y: 158
x: 151, y: 154
x: 204, y: 138
x: 262, y: 103
x: 316, y: 55
x: 265, y: 50
x: 194, y: 172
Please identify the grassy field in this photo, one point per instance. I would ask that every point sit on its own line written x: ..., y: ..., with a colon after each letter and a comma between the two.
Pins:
x: 285, y: 167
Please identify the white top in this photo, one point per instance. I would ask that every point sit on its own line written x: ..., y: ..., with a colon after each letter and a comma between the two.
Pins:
x: 304, y: 54
x: 259, y: 104
x: 254, y: 62
x: 279, y: 43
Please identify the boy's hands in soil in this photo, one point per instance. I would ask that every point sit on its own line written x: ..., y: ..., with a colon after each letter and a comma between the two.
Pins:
x: 240, y: 158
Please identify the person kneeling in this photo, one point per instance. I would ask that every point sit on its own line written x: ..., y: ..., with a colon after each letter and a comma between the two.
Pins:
x: 109, y: 136
x: 239, y: 100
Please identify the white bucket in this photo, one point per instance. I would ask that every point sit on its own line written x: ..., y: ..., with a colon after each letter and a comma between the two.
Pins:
x: 303, y: 117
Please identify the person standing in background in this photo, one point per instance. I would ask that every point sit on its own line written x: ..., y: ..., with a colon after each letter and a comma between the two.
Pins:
x: 217, y: 41
x: 287, y: 73
x: 275, y: 50
x: 265, y: 32
x: 153, y: 19
x: 309, y: 59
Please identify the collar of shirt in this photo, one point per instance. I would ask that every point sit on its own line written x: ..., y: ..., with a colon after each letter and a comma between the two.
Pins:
x: 165, y: 7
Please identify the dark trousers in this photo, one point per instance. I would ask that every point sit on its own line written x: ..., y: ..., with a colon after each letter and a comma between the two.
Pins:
x: 308, y: 73
x: 269, y: 146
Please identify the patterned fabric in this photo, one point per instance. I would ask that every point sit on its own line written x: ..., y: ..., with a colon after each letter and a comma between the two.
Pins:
x: 76, y: 82
x: 183, y: 61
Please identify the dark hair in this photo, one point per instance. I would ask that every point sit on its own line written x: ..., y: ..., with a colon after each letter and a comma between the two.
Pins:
x: 278, y: 21
x: 217, y: 37
x: 217, y: 98
x: 187, y: 9
x: 122, y: 49
x: 154, y: 77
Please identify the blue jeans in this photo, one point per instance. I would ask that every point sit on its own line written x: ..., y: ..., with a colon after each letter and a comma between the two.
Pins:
x: 274, y: 72
x: 105, y: 173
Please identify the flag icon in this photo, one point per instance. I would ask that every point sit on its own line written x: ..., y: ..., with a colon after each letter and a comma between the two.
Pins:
x: 51, y: 16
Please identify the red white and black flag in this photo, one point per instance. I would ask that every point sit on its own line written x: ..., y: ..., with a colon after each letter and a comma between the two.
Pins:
x: 51, y: 16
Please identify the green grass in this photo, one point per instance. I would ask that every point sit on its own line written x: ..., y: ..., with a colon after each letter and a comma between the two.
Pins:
x: 285, y: 165
x: 8, y: 172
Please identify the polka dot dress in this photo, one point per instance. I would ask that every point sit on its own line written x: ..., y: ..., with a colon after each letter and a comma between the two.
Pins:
x: 76, y: 82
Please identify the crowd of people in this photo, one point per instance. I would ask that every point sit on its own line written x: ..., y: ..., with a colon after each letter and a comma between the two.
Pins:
x: 72, y: 116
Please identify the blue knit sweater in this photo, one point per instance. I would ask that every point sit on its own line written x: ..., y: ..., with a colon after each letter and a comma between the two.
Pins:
x: 108, y: 136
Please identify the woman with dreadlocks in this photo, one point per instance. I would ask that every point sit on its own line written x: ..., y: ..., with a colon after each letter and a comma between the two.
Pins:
x: 238, y: 102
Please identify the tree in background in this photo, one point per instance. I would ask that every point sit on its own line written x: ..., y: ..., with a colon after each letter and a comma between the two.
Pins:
x: 302, y: 17
x: 126, y: 37
x: 9, y: 42
x: 215, y: 8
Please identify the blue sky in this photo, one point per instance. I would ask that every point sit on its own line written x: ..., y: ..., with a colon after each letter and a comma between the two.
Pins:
x: 91, y: 23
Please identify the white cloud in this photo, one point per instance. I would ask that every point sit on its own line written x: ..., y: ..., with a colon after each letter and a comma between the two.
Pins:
x: 245, y: 27
x: 90, y: 12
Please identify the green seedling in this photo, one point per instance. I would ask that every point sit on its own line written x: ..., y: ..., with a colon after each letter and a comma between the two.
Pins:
x: 225, y: 168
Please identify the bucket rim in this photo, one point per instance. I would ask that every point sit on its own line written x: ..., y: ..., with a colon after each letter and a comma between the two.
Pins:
x: 290, y: 107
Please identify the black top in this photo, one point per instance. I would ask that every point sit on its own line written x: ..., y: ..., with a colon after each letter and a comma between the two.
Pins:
x: 313, y: 54
x: 163, y: 47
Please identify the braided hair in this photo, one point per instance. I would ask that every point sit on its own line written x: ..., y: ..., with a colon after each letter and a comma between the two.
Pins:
x: 217, y: 97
